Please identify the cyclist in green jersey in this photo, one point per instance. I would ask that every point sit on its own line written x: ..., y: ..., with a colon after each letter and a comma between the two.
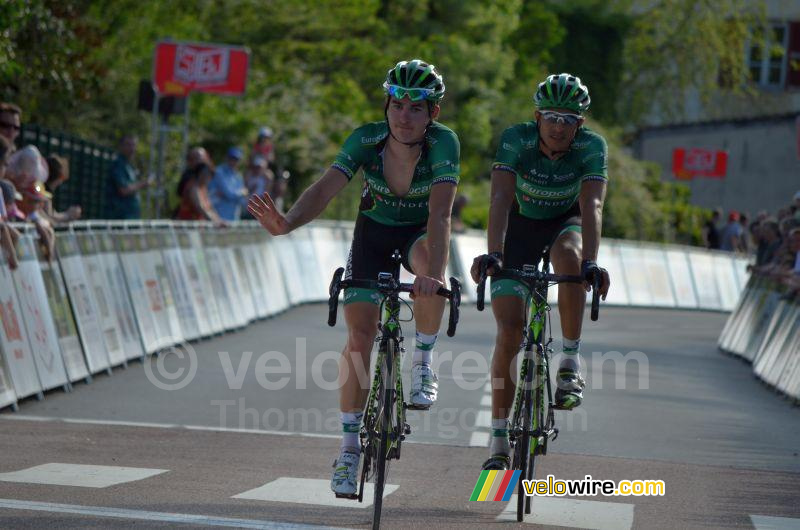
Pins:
x: 411, y: 170
x: 548, y: 187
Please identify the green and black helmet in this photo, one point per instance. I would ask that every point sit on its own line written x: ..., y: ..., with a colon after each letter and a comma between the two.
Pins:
x: 563, y: 91
x: 416, y: 79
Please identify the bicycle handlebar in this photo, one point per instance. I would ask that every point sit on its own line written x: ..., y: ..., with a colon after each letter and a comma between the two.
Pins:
x: 538, y: 276
x: 392, y: 286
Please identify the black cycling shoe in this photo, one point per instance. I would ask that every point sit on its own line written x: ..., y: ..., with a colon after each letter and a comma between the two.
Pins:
x: 499, y: 462
x: 569, y: 391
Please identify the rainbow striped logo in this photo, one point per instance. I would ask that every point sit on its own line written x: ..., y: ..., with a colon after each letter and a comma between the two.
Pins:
x: 495, y: 486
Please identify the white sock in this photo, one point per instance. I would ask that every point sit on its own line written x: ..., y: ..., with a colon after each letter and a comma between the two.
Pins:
x: 499, y: 444
x: 351, y: 424
x: 423, y: 348
x: 572, y: 355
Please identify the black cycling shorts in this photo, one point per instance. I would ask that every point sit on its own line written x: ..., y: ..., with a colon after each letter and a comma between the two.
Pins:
x: 527, y: 238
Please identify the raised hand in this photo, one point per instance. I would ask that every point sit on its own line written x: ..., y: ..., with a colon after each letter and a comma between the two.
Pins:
x: 263, y: 209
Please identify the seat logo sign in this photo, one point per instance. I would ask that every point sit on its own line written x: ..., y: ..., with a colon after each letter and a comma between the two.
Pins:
x: 183, y: 67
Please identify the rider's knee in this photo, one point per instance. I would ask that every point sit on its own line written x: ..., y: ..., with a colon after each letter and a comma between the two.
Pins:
x: 360, y: 339
x: 510, y: 330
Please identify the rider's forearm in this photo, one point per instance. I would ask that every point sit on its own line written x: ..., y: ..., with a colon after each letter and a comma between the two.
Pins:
x: 438, y: 243
x: 308, y: 207
x: 592, y: 224
x: 498, y: 219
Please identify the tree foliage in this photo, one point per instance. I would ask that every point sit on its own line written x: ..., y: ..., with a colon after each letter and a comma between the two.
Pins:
x: 317, y: 68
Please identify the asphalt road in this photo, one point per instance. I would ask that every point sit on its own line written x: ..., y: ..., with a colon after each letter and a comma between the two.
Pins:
x: 248, y: 438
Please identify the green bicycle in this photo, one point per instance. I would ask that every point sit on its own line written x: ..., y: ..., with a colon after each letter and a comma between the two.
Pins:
x: 384, y: 426
x: 533, y: 421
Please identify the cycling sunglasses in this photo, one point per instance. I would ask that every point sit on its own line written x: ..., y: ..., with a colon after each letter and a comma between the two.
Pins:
x: 551, y: 116
x: 414, y: 94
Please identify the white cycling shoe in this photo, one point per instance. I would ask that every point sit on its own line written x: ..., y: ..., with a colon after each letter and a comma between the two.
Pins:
x: 345, y: 475
x: 424, y: 386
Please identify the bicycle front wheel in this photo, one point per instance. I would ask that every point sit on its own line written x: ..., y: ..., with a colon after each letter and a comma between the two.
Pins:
x: 522, y: 447
x: 387, y: 398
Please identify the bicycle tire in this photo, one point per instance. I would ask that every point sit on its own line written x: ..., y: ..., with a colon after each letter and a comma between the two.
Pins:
x: 522, y: 448
x: 538, y: 402
x: 388, y: 399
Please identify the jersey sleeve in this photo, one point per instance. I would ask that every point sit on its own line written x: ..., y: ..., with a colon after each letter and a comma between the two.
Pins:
x: 351, y: 156
x: 595, y: 161
x: 445, y: 159
x: 508, y: 152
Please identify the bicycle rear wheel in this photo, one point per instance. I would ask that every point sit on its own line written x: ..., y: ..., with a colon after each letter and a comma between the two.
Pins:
x: 523, y: 443
x: 386, y: 397
x: 538, y: 425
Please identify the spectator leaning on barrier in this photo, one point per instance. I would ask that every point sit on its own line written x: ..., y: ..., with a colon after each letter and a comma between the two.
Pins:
x: 257, y: 179
x: 10, y: 121
x: 8, y: 234
x: 264, y: 146
x: 27, y: 170
x: 195, y: 204
x: 195, y: 157
x: 226, y: 189
x: 731, y: 238
x: 123, y: 185
x: 769, y: 241
x: 58, y: 169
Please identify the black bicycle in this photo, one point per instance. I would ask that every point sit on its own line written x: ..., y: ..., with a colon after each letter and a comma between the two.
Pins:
x: 384, y: 426
x: 533, y: 421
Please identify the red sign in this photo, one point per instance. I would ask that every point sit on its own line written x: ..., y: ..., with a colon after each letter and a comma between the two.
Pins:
x: 690, y: 163
x: 181, y: 68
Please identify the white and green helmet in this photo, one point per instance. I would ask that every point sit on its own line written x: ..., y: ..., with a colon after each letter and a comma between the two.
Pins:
x: 564, y: 91
x: 416, y: 80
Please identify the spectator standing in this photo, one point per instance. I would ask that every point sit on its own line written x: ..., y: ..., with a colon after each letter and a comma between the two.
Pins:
x: 769, y: 241
x: 710, y: 230
x: 731, y: 237
x: 195, y: 157
x: 124, y: 184
x: 10, y: 122
x: 8, y: 234
x: 264, y: 147
x: 257, y: 180
x: 226, y: 190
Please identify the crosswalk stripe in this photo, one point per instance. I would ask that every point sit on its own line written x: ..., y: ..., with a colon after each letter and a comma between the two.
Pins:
x: 310, y: 491
x: 82, y: 475
x: 479, y: 439
x: 594, y: 515
x: 141, y: 515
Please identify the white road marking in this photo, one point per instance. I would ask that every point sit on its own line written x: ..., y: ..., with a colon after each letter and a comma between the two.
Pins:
x: 594, y: 515
x: 141, y: 515
x: 310, y: 491
x: 86, y: 476
x: 479, y: 439
x: 486, y: 400
x: 765, y: 522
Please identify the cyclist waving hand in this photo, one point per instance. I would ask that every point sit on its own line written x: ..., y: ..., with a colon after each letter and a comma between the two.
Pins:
x: 411, y: 170
x: 548, y: 187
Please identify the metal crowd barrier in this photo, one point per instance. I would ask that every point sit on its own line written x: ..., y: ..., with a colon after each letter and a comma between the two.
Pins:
x: 120, y: 291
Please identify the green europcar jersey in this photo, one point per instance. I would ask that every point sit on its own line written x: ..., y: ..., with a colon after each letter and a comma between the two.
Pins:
x: 439, y: 162
x: 547, y: 188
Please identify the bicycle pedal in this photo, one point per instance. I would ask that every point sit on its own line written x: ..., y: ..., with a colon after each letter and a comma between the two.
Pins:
x: 414, y: 406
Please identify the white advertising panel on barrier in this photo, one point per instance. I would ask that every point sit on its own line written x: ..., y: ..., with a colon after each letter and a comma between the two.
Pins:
x: 42, y: 336
x: 314, y: 285
x: 195, y: 259
x: 68, y: 340
x: 740, y: 266
x: 123, y: 308
x: 84, y: 307
x: 196, y: 293
x: 329, y: 245
x: 636, y: 276
x: 609, y: 257
x: 727, y: 282
x: 7, y: 394
x: 283, y: 251
x: 655, y: 265
x: 681, y: 276
x: 230, y: 312
x: 165, y: 314
x: 104, y: 298
x: 705, y: 281
x: 467, y: 247
x: 128, y: 246
x: 251, y: 262
x: 277, y: 297
x: 176, y: 273
x: 14, y: 340
x: 239, y: 278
